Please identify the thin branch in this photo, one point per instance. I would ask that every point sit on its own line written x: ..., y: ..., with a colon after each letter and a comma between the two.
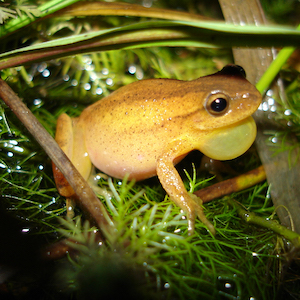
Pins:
x: 88, y: 200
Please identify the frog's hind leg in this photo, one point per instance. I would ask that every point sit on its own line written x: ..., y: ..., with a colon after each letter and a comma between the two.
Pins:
x: 70, y: 137
x: 93, y: 183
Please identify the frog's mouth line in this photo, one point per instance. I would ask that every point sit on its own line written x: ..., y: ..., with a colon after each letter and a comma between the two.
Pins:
x: 231, y: 141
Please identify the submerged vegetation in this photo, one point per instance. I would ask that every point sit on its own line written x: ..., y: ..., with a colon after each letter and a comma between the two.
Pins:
x: 151, y: 254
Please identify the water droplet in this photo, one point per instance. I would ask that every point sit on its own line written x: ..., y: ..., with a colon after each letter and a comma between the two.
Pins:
x: 74, y: 82
x: 93, y: 76
x: 105, y: 71
x: 18, y: 149
x: 287, y: 112
x: 37, y: 101
x: 109, y: 81
x: 167, y: 285
x: 269, y: 93
x: 46, y: 73
x: 25, y: 230
x: 265, y: 106
x: 271, y: 101
x: 99, y: 91
x: 41, y: 67
x: 13, y: 142
x: 89, y: 67
x: 87, y: 86
x: 87, y: 60
x: 132, y: 69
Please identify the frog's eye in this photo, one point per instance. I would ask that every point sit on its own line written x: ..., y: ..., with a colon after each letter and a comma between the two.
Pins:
x: 217, y: 104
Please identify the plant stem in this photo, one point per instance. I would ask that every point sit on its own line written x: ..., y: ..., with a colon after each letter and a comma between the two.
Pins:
x: 274, y: 68
x: 252, y: 218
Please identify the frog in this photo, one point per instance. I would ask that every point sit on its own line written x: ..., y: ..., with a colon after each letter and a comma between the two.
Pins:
x: 144, y: 129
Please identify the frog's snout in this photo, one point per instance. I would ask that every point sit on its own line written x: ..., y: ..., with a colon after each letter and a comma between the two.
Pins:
x: 231, y: 141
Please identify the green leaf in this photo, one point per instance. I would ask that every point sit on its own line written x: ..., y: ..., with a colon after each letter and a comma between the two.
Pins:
x: 155, y: 33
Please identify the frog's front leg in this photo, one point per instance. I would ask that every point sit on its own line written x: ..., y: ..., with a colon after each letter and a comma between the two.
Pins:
x: 173, y: 185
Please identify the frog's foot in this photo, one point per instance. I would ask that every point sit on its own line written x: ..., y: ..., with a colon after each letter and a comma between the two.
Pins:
x: 93, y: 183
x: 200, y: 214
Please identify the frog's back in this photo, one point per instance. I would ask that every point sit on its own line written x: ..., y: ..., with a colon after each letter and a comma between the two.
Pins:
x: 131, y: 127
x: 127, y: 131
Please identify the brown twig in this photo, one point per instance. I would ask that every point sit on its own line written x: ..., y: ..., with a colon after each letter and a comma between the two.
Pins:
x: 88, y: 200
x: 229, y: 186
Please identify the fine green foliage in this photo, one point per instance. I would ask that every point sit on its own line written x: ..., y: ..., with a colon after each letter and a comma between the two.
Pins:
x: 151, y: 241
x: 151, y: 250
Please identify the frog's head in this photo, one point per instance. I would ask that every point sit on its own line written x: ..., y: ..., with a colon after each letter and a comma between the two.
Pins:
x: 229, y: 107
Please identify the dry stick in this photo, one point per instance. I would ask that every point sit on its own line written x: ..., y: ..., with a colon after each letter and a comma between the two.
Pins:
x: 88, y: 200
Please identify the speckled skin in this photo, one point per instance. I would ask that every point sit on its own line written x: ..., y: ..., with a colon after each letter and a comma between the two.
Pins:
x: 148, y: 126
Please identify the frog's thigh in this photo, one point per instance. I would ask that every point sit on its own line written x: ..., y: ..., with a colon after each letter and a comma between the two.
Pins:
x: 173, y: 185
x: 80, y: 157
x: 70, y: 137
x: 64, y: 138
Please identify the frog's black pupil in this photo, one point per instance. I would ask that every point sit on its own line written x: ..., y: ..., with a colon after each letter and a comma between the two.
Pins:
x: 219, y: 104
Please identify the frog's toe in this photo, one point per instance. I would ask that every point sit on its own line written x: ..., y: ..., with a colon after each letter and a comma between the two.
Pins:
x: 199, y: 212
x: 204, y: 220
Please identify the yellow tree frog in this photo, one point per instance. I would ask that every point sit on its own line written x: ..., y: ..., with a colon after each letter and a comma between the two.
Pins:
x: 145, y: 128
